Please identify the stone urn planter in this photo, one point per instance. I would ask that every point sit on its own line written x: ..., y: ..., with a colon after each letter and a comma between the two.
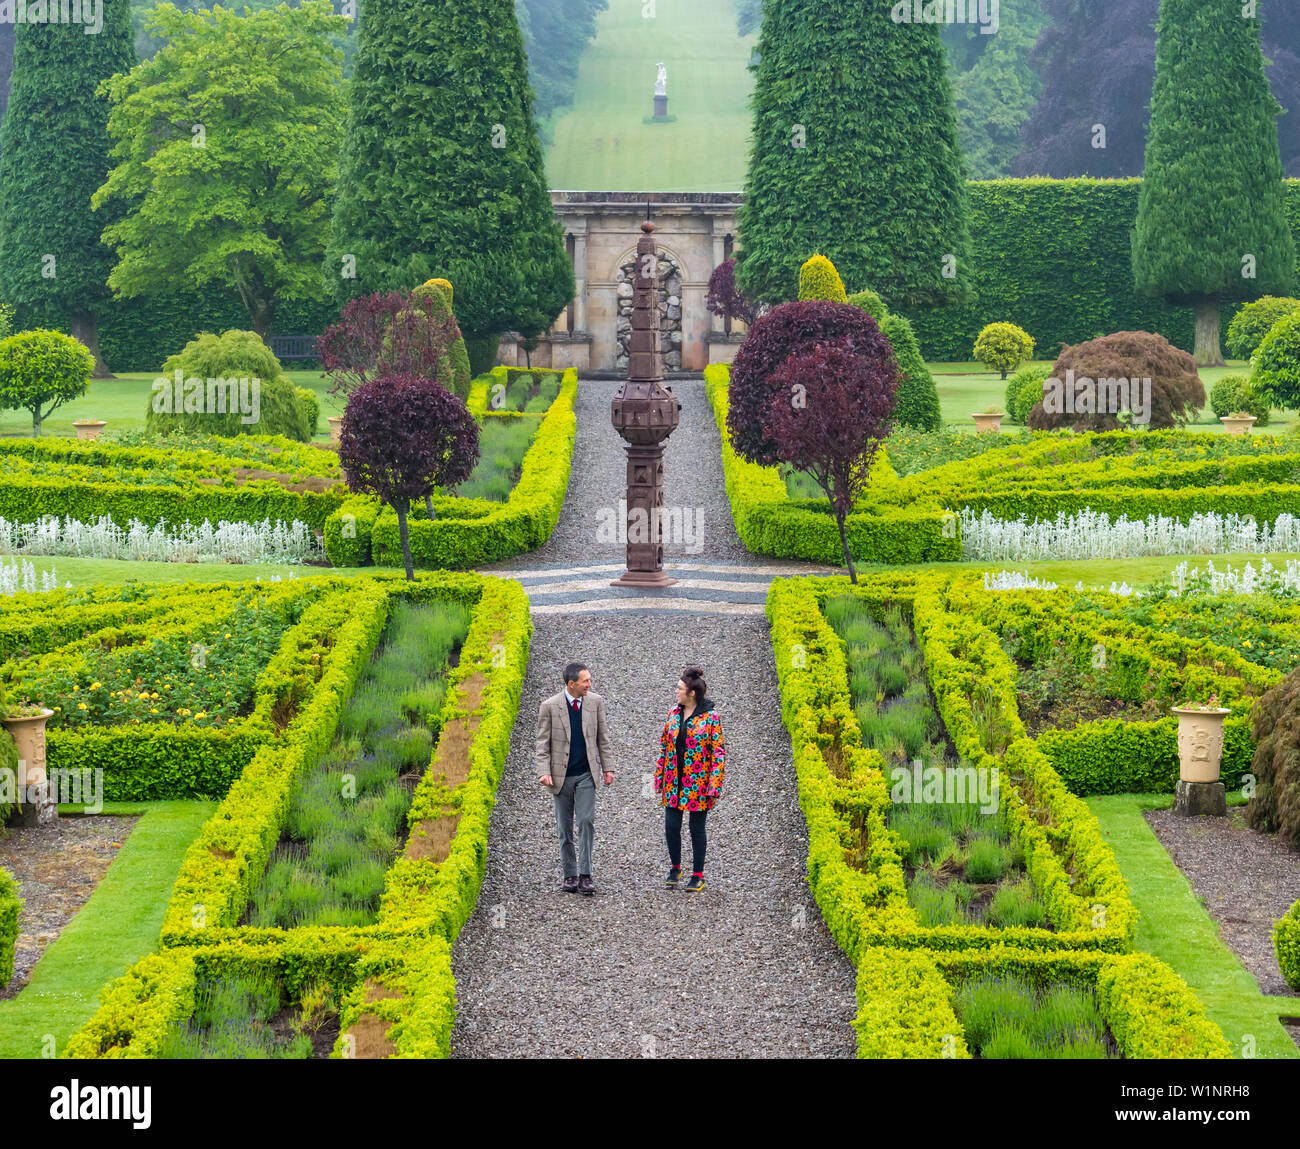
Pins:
x: 988, y: 421
x: 89, y: 428
x: 335, y: 421
x: 1239, y: 424
x: 1200, y: 755
x: 39, y: 805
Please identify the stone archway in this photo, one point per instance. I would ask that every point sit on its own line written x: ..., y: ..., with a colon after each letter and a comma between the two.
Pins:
x: 670, y: 309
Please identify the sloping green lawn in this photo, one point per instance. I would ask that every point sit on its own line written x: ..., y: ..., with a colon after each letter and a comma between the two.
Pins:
x: 601, y: 142
x: 1175, y: 927
x: 115, y: 928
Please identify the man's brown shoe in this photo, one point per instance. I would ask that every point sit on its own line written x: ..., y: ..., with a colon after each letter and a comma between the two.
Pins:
x: 586, y: 885
x: 570, y: 885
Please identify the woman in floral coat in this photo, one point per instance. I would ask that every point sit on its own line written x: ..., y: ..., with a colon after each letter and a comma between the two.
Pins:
x: 692, y: 756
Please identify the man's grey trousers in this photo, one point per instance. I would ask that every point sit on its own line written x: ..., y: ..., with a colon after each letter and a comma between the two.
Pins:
x: 577, y: 795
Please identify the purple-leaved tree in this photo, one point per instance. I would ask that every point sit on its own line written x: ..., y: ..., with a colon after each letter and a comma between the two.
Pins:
x: 724, y: 299
x: 388, y: 333
x: 828, y: 410
x: 402, y: 436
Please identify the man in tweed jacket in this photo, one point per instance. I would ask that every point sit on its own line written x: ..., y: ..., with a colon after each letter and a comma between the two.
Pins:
x: 572, y: 748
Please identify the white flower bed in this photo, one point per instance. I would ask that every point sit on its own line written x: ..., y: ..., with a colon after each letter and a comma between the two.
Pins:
x: 1091, y: 535
x: 15, y: 578
x: 263, y: 542
x: 1022, y: 580
x: 1267, y: 580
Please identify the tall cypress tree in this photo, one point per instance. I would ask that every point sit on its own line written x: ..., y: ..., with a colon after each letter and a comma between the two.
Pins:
x: 1211, y: 223
x: 855, y: 156
x: 441, y: 173
x: 54, y: 149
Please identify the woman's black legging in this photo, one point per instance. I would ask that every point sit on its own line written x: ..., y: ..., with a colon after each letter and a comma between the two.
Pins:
x: 673, y: 832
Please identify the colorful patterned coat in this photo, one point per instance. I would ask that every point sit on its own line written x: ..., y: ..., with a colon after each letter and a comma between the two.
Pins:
x: 703, y: 761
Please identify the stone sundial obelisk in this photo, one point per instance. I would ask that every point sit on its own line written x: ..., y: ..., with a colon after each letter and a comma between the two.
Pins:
x: 645, y: 415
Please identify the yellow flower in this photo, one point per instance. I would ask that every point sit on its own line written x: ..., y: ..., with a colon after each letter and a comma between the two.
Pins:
x: 94, y: 686
x: 227, y: 636
x: 201, y: 714
x: 153, y: 710
x: 81, y: 706
x: 1246, y: 643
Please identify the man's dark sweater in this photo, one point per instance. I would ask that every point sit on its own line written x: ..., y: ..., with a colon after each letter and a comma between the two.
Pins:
x: 577, y: 744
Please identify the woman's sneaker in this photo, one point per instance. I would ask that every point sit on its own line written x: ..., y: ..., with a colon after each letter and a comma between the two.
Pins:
x: 696, y: 884
x: 674, y: 876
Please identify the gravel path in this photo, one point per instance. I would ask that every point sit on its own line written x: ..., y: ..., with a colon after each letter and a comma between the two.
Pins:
x: 57, y: 867
x: 745, y: 969
x: 1246, y: 881
x: 692, y: 481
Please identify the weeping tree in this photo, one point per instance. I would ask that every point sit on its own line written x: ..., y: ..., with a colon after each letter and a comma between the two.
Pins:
x: 1211, y: 224
x: 402, y: 437
x: 855, y: 156
x: 54, y: 154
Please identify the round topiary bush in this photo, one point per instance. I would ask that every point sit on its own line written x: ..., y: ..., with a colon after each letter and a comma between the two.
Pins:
x: 1024, y: 390
x: 41, y: 370
x: 1276, y: 364
x: 1003, y: 347
x: 917, y: 401
x: 790, y: 329
x: 871, y: 303
x: 226, y: 385
x: 1236, y: 393
x: 1254, y: 321
x: 818, y: 279
x: 1097, y: 369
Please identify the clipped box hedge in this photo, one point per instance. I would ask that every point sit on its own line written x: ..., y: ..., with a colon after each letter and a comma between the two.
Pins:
x: 905, y: 1001
x: 1286, y: 943
x: 160, y: 760
x: 10, y: 905
x: 469, y: 532
x: 769, y: 522
x: 394, y: 976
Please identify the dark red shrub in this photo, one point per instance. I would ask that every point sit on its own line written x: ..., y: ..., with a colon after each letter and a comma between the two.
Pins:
x: 791, y: 329
x: 1175, y: 393
x: 724, y: 299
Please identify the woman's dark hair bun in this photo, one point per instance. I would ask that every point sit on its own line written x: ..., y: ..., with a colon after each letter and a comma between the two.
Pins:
x: 693, y: 676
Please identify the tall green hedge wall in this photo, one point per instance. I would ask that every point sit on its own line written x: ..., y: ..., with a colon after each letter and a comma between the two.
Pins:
x: 1049, y: 255
x: 1053, y: 257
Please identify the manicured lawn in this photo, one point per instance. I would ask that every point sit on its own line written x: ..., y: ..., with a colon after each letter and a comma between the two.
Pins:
x: 965, y: 388
x: 124, y: 401
x: 115, y: 928
x: 1174, y: 926
x: 87, y: 572
x: 601, y: 142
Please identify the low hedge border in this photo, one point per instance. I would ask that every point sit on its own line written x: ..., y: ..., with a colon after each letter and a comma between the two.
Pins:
x: 1114, y: 756
x: 10, y: 905
x: 846, y: 809
x: 1286, y: 943
x: 469, y: 533
x: 159, y: 760
x: 905, y: 1001
x: 402, y: 970
x: 769, y: 522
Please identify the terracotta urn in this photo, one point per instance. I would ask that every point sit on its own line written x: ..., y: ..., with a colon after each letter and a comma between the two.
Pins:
x: 335, y: 421
x: 28, y: 733
x: 1200, y: 743
x: 89, y: 428
x: 1237, y: 424
x: 988, y: 421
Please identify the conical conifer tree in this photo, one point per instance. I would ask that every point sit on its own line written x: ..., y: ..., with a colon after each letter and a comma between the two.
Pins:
x: 855, y: 155
x: 441, y: 172
x: 1211, y: 224
x: 54, y: 154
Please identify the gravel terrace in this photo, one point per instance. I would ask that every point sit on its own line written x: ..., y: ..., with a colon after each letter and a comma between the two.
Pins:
x: 57, y: 867
x: 745, y: 969
x: 1246, y: 881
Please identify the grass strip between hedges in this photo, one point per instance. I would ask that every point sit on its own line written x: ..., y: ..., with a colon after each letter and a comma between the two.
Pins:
x: 1174, y: 926
x: 116, y: 927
